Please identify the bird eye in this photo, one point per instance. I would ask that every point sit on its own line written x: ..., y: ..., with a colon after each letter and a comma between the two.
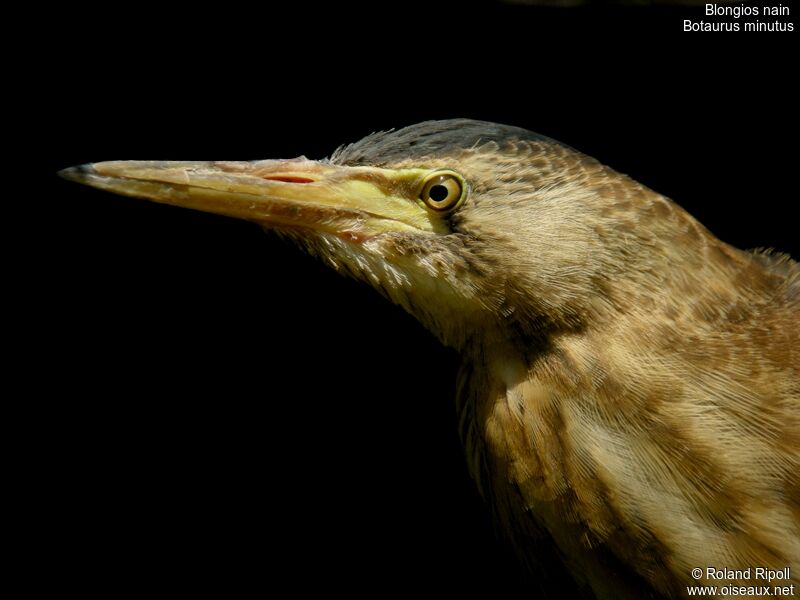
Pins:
x: 442, y: 191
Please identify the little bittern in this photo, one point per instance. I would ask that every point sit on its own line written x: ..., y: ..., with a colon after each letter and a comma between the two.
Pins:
x: 630, y: 388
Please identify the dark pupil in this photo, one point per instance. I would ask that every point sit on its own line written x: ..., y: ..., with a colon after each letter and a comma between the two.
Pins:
x: 438, y: 193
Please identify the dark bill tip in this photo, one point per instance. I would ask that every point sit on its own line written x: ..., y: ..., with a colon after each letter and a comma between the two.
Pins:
x: 78, y: 173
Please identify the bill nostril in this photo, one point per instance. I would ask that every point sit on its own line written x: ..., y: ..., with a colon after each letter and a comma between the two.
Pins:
x: 289, y: 179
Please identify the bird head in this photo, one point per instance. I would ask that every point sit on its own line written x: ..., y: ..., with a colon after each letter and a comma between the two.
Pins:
x: 479, y: 230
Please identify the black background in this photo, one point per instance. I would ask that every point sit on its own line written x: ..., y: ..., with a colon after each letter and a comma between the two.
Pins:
x: 216, y: 412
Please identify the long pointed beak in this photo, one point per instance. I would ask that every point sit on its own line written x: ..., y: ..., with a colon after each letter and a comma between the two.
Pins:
x: 355, y: 203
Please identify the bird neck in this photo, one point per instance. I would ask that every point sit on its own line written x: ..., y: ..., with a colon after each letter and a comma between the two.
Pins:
x: 613, y: 435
